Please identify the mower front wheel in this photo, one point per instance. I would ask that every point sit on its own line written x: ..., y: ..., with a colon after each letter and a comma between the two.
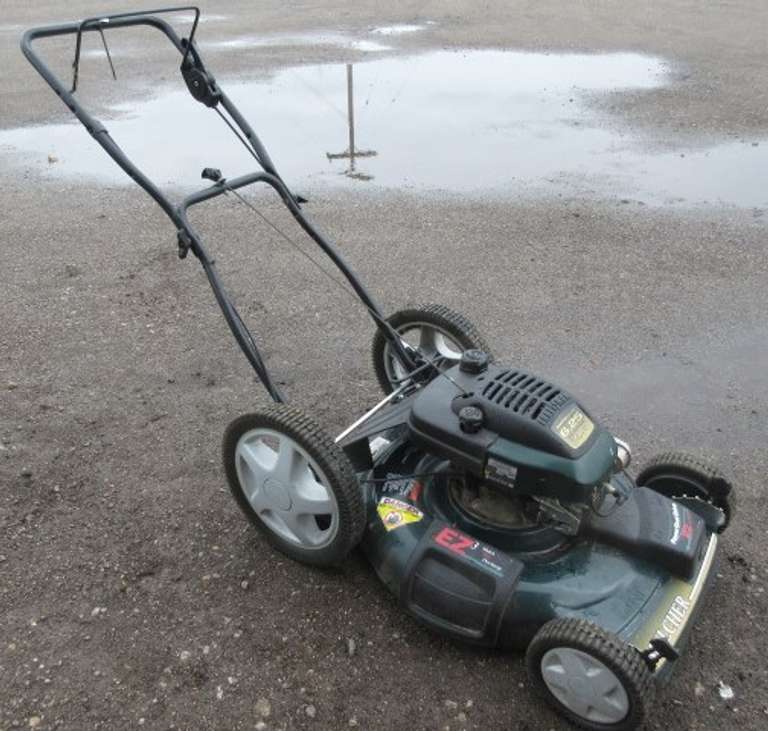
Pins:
x: 590, y: 676
x: 436, y: 332
x: 294, y: 484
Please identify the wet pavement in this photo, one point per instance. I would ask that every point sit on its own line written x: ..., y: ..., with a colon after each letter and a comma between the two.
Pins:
x: 469, y: 122
x: 515, y: 148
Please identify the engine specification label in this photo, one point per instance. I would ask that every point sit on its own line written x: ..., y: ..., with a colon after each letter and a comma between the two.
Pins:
x: 574, y: 427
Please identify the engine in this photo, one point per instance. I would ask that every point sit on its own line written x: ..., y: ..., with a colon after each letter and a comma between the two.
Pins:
x: 521, y: 435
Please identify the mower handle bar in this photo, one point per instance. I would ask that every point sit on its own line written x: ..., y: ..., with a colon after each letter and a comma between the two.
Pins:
x: 188, y: 239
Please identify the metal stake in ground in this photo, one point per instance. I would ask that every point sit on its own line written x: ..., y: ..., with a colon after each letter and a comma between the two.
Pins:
x: 351, y: 152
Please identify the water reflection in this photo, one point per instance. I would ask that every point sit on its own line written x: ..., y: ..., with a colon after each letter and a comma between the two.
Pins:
x: 474, y: 123
x: 352, y: 153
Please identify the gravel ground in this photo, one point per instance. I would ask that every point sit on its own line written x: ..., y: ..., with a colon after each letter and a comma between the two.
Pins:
x: 133, y: 593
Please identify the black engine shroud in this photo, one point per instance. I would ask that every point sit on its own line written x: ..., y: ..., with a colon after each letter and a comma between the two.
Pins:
x: 514, y: 429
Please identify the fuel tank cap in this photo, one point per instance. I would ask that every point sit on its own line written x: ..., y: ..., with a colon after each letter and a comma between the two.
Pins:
x: 471, y: 419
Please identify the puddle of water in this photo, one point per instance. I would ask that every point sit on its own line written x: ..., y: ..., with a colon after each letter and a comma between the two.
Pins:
x: 204, y: 18
x: 369, y: 46
x: 397, y: 30
x: 479, y: 122
x: 296, y: 39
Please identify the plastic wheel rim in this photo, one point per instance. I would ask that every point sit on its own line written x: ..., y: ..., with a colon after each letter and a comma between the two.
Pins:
x: 286, y: 488
x: 584, y: 685
x: 433, y: 343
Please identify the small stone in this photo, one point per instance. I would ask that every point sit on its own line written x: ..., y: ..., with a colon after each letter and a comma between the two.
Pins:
x: 451, y: 705
x: 263, y: 707
x: 219, y: 692
x: 461, y: 717
x: 725, y: 691
x: 352, y: 722
x: 184, y: 655
x: 243, y: 584
x: 52, y: 159
x: 698, y: 690
x: 469, y: 703
x: 311, y: 711
x: 12, y: 387
x: 260, y: 726
x: 351, y: 647
x: 141, y: 721
x: 34, y: 721
x: 232, y: 680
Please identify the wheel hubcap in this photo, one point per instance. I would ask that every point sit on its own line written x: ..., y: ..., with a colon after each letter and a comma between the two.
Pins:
x: 432, y: 342
x: 278, y: 494
x: 286, y: 488
x: 584, y: 685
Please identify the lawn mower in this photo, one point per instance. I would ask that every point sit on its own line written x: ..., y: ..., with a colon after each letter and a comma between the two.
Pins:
x: 491, y: 503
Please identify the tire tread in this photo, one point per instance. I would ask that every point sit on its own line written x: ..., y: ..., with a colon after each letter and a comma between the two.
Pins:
x: 608, y: 648
x: 699, y: 466
x: 438, y: 315
x: 711, y: 480
x: 329, y: 457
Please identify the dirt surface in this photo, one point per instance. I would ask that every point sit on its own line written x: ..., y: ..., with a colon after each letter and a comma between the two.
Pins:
x: 133, y: 592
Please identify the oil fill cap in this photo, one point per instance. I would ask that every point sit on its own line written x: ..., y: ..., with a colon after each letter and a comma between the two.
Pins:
x: 471, y: 419
x: 473, y: 361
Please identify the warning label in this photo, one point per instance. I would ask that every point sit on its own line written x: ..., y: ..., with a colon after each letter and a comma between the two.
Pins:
x: 395, y: 513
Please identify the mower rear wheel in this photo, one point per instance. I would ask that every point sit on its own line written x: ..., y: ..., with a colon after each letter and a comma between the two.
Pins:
x: 590, y: 676
x: 294, y: 484
x: 435, y: 331
x: 678, y: 475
